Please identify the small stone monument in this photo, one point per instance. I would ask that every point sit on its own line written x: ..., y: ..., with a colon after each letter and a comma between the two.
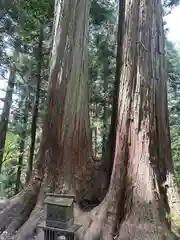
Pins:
x: 59, y: 223
x: 59, y: 210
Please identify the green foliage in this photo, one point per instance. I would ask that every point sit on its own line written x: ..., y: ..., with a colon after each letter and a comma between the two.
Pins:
x: 11, y: 154
x: 10, y: 147
x: 173, y: 65
x: 102, y: 51
x: 21, y: 21
x: 101, y: 11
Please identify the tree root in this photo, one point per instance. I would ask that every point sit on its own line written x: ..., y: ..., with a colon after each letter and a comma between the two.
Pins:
x: 28, y: 229
x: 4, y: 203
x: 91, y: 222
x: 17, y: 212
x: 140, y: 231
x: 16, y: 216
x: 95, y: 224
x: 20, y: 217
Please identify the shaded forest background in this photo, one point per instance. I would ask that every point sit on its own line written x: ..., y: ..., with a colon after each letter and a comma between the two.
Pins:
x: 25, y: 44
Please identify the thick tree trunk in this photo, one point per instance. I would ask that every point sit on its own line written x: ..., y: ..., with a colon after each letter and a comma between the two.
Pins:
x: 36, y: 103
x: 135, y: 205
x: 7, y: 106
x: 142, y: 159
x: 65, y: 156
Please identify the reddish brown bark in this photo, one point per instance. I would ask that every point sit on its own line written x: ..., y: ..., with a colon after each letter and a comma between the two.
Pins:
x: 142, y: 160
x: 136, y: 202
x: 65, y: 156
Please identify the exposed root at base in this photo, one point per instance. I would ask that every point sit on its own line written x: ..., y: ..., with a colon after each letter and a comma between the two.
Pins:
x: 19, y: 220
x: 91, y: 222
x: 28, y: 229
x: 93, y: 227
x: 17, y: 211
x: 4, y: 203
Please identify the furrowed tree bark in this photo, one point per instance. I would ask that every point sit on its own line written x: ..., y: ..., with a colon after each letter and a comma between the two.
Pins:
x: 136, y: 203
x: 142, y: 161
x: 65, y: 161
x: 7, y: 105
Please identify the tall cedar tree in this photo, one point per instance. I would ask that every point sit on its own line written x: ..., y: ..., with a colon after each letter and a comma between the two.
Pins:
x: 139, y: 133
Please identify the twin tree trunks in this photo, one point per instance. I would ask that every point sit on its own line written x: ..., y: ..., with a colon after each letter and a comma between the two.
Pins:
x: 128, y: 185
